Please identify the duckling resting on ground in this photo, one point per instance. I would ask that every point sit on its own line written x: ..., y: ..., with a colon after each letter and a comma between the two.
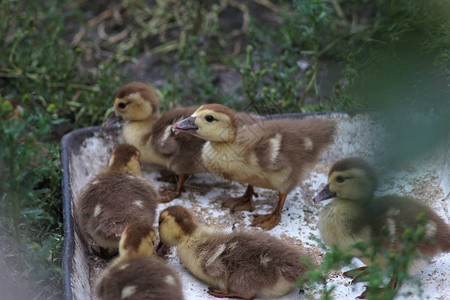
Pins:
x: 137, y: 104
x: 236, y: 265
x: 275, y: 154
x: 114, y: 199
x: 355, y: 214
x: 135, y: 274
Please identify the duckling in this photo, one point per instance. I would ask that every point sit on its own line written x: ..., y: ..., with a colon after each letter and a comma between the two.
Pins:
x: 236, y: 265
x: 135, y: 274
x: 274, y: 154
x: 137, y: 104
x: 355, y: 214
x: 115, y: 198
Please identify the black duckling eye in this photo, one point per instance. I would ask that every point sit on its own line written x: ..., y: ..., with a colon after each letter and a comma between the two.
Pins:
x: 340, y: 179
x: 209, y: 118
x: 122, y: 105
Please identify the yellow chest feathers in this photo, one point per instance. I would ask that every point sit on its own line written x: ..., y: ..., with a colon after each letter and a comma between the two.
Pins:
x: 232, y: 161
x: 336, y: 225
x: 134, y: 133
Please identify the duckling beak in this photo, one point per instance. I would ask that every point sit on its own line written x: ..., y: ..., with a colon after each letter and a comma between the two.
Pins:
x: 187, y: 124
x: 162, y: 250
x: 112, y: 119
x: 324, y: 194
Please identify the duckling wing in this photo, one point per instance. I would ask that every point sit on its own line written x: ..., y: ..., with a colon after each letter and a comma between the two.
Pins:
x: 212, y: 261
x: 292, y: 142
x: 109, y: 202
x: 395, y: 214
x: 268, y: 152
x: 167, y: 142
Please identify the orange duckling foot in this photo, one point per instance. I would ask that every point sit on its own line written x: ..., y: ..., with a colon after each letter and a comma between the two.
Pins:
x: 267, y: 221
x: 170, y: 195
x: 357, y: 275
x: 244, y: 202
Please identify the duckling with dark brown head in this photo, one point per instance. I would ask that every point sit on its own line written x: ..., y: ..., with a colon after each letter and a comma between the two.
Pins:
x: 235, y: 265
x: 114, y: 199
x: 137, y: 104
x: 136, y: 274
x: 356, y: 214
x: 275, y: 154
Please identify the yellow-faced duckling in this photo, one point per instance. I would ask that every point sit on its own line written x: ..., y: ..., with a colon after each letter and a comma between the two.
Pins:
x: 355, y: 214
x: 137, y: 104
x: 235, y: 265
x: 115, y: 198
x: 275, y: 154
x: 135, y: 274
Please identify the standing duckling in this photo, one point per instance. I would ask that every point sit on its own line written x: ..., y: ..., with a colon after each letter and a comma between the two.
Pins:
x: 135, y: 275
x: 355, y: 214
x: 114, y: 199
x: 275, y: 154
x: 235, y: 265
x: 137, y: 104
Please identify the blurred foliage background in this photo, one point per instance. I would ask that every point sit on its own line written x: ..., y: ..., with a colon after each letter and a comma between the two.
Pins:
x: 62, y: 61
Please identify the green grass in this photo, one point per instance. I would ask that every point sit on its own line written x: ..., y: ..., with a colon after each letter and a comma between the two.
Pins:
x: 375, y: 277
x: 30, y: 200
x: 62, y: 61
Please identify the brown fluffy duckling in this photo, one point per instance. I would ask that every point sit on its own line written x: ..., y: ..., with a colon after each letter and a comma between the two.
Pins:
x: 137, y: 104
x: 135, y: 274
x: 114, y: 199
x: 275, y: 154
x: 235, y: 265
x: 355, y: 214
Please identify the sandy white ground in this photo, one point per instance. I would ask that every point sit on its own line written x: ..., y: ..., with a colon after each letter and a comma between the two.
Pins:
x: 298, y: 223
x: 205, y: 193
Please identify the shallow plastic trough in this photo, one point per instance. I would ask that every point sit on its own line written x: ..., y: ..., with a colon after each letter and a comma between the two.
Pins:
x: 85, y: 152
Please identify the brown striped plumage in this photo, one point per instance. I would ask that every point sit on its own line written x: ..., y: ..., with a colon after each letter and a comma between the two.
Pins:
x: 136, y: 274
x: 355, y: 214
x: 113, y: 199
x: 237, y: 264
x: 275, y: 154
x: 152, y: 134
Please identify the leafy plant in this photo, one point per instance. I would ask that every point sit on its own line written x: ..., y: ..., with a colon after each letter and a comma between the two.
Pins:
x: 49, y: 76
x: 289, y: 65
x: 31, y: 235
x: 44, y: 92
x: 276, y: 81
x: 398, y: 262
